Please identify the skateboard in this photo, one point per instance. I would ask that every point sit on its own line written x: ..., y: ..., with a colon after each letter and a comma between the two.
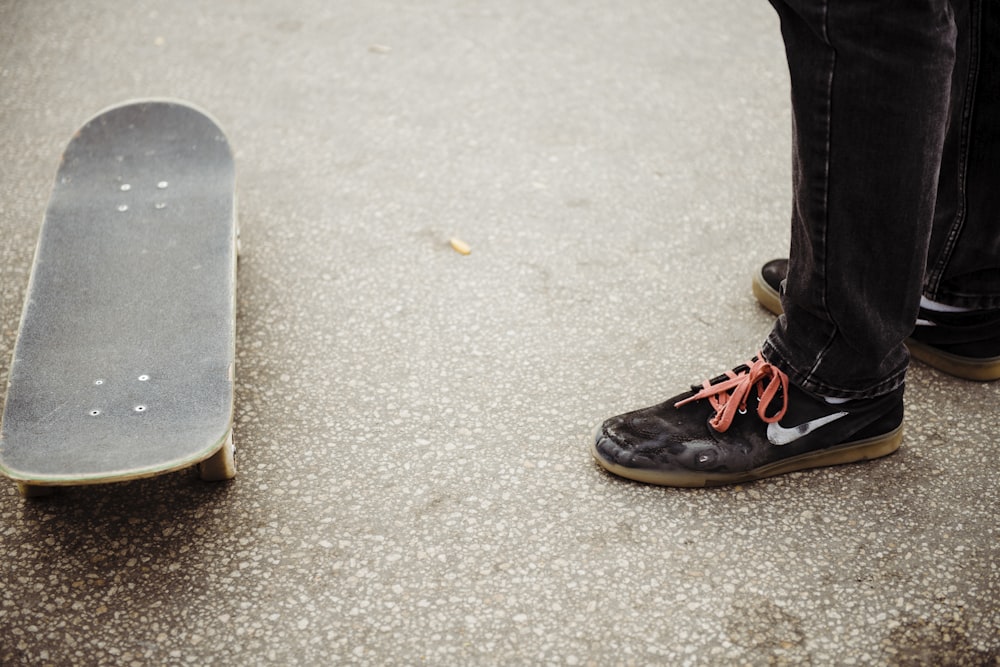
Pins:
x: 123, y: 366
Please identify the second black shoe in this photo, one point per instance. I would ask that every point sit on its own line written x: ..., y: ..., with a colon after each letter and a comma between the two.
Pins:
x: 966, y: 345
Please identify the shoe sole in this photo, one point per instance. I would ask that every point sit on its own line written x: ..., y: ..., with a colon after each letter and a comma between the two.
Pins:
x: 967, y: 368
x: 766, y: 295
x: 852, y: 452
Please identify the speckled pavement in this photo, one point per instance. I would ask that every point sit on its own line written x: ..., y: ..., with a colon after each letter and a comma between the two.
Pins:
x: 413, y: 423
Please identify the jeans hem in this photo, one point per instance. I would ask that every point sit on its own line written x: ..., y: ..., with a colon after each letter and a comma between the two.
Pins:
x: 806, y: 381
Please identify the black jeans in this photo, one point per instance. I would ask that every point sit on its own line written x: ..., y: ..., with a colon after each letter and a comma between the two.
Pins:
x: 896, y: 168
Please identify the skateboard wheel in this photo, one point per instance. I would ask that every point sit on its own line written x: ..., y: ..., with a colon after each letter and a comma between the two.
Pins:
x: 221, y: 465
x: 34, y: 490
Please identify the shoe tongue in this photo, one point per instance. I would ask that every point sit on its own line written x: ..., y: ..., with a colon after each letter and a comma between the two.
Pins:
x: 742, y: 369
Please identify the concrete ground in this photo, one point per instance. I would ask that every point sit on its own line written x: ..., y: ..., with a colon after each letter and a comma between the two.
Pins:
x: 413, y: 424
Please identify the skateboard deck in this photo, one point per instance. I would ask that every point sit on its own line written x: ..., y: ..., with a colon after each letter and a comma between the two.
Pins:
x: 124, y: 361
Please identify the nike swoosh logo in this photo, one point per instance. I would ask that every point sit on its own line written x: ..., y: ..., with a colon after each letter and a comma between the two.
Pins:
x: 779, y: 436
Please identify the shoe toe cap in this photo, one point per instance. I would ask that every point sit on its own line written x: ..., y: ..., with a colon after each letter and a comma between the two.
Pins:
x: 653, y: 449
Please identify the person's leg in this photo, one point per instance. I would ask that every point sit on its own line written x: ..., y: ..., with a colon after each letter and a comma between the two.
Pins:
x: 871, y: 82
x: 958, y: 325
x: 870, y: 89
x: 964, y: 257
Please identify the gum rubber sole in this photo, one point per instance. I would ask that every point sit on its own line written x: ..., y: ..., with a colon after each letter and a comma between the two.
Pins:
x: 766, y: 295
x: 967, y: 368
x: 852, y: 452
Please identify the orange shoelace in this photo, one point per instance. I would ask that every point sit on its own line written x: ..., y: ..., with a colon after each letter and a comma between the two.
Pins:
x: 730, y: 396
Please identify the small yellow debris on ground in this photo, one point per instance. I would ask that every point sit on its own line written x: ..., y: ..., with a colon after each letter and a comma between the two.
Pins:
x: 460, y: 246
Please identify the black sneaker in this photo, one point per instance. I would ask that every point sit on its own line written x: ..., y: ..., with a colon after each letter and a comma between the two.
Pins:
x: 748, y: 424
x: 966, y: 345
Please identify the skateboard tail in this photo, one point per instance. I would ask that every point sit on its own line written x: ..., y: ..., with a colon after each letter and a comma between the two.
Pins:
x: 120, y: 474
